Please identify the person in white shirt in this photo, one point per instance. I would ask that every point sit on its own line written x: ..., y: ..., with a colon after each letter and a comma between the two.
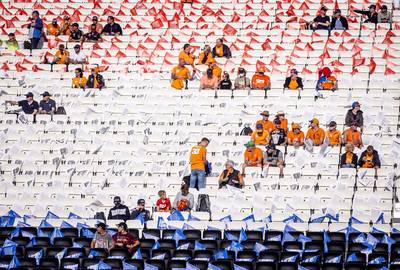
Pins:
x: 77, y: 56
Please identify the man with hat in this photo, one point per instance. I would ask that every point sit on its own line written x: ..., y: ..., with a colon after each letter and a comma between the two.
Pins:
x: 260, y: 136
x: 77, y: 56
x: 333, y: 135
x: 76, y: 34
x: 241, y: 81
x: 140, y: 210
x: 293, y: 82
x: 322, y: 21
x: 47, y: 105
x: 101, y: 239
x: 29, y: 106
x: 352, y: 135
x: 339, y: 22
x: 268, y: 125
x: 274, y: 157
x: 95, y: 21
x: 315, y: 134
x: 260, y: 81
x: 253, y: 156
x: 372, y: 15
x: 124, y: 239
x: 119, y: 211
x: 355, y: 115
x: 280, y: 115
x: 295, y: 137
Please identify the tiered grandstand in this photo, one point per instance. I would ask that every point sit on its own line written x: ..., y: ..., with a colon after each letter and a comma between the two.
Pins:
x: 133, y: 138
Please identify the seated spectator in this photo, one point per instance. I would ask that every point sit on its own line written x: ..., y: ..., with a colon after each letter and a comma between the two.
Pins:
x: 209, y: 81
x: 230, y: 176
x: 77, y: 56
x: 322, y: 21
x: 369, y: 158
x: 253, y: 156
x: 124, y: 239
x: 260, y: 136
x: 315, y: 134
x: 112, y: 28
x: 95, y: 80
x: 352, y: 135
x: 206, y: 57
x: 184, y: 200
x: 339, y: 22
x: 119, y: 211
x: 294, y: 81
x: 274, y: 157
x: 225, y: 83
x: 348, y: 159
x: 241, y: 81
x: 47, y: 105
x: 79, y: 81
x: 76, y: 34
x: 101, y: 239
x: 62, y: 56
x: 180, y: 75
x: 384, y: 16
x: 280, y: 115
x: 95, y: 21
x: 268, y: 125
x: 186, y: 55
x: 326, y: 80
x: 12, y: 43
x: 217, y: 71
x: 221, y: 50
x: 355, y: 115
x: 140, y: 210
x: 65, y: 28
x: 29, y: 106
x: 278, y: 135
x: 372, y: 15
x: 260, y: 81
x: 163, y: 204
x: 295, y: 137
x: 333, y: 135
x: 93, y: 35
x: 53, y: 29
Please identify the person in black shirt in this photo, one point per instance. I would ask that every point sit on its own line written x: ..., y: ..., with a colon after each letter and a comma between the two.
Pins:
x: 230, y: 176
x: 278, y: 135
x: 76, y: 34
x: 119, y: 211
x: 29, y: 106
x: 112, y: 28
x: 93, y: 35
x: 322, y: 21
x: 140, y: 210
x: 225, y: 83
x: 372, y: 15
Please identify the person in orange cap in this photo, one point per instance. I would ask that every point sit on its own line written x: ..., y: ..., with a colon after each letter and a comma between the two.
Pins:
x: 206, y: 56
x: 260, y: 136
x: 186, y: 55
x: 295, y: 137
x: 268, y: 125
x: 315, y: 133
x: 260, y: 81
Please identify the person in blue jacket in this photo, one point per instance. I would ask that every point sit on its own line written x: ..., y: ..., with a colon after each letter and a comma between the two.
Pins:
x: 36, y: 27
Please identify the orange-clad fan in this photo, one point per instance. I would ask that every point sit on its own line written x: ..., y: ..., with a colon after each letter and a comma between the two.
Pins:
x: 53, y: 29
x: 260, y: 81
x: 206, y: 56
x: 333, y: 135
x: 260, y: 136
x: 216, y: 70
x: 352, y: 135
x: 180, y: 75
x: 268, y: 125
x: 295, y: 137
x: 198, y: 160
x: 79, y: 81
x: 186, y: 55
x: 280, y: 115
x: 253, y: 156
x: 315, y: 134
x: 326, y: 80
x: 61, y: 56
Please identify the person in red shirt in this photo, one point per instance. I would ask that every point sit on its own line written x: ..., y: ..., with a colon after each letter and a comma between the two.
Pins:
x: 124, y: 239
x: 163, y: 204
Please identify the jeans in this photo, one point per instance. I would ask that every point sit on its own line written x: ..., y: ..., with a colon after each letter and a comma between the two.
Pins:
x: 200, y: 177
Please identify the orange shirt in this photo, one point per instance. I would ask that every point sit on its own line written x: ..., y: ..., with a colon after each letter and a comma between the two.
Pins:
x: 293, y: 85
x: 79, y: 82
x: 268, y: 125
x: 254, y: 156
x: 198, y: 157
x: 295, y: 138
x: 67, y: 30
x: 217, y: 72
x: 181, y: 74
x: 260, y: 139
x: 368, y: 161
x: 317, y: 136
x: 260, y: 81
x: 349, y: 157
x: 352, y: 136
x: 219, y: 50
x: 329, y: 83
x: 189, y: 58
x: 284, y: 124
x: 62, y: 57
x: 209, y: 60
x: 333, y: 136
x: 53, y: 30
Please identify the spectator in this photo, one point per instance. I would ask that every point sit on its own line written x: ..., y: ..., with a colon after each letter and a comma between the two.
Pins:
x: 326, y: 81
x: 186, y: 55
x: 274, y: 157
x: 119, y: 211
x: 47, y: 105
x: 369, y: 158
x: 253, y: 156
x: 65, y: 28
x: 101, y: 239
x: 53, y: 29
x: 36, y: 27
x: 268, y: 125
x: 372, y: 15
x: 180, y: 76
x: 184, y: 200
x: 279, y: 134
x: 221, y: 50
x: 76, y: 34
x: 206, y: 57
x: 217, y: 71
x: 93, y: 35
x: 352, y: 135
x: 230, y: 176
x: 95, y: 21
x: 112, y: 28
x: 209, y: 81
x: 294, y: 81
x: 355, y: 115
x: 333, y: 135
x: 260, y: 81
x: 315, y: 134
x: 260, y: 136
x: 62, y: 56
x: 384, y: 16
x: 163, y: 204
x: 77, y: 56
x: 198, y: 160
x: 295, y: 137
x: 11, y: 43
x: 29, y: 106
x: 140, y: 210
x: 95, y: 80
x: 322, y: 21
x: 280, y: 115
x: 225, y: 83
x: 241, y: 81
x: 80, y: 80
x: 124, y: 239
x: 339, y: 22
x: 348, y: 159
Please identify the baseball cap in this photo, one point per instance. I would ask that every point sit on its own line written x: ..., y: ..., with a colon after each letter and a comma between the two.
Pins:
x: 75, y: 24
x: 29, y: 94
x: 250, y: 144
x: 324, y: 8
x: 265, y: 113
x: 337, y: 11
x: 295, y: 125
x: 332, y: 124
x: 280, y: 113
x: 141, y: 201
x: 77, y: 46
x: 117, y: 199
x: 46, y: 94
x: 259, y: 127
x: 11, y: 35
x: 314, y: 121
x: 355, y: 104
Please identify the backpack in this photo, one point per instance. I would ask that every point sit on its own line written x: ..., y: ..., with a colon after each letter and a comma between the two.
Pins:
x: 203, y: 203
x: 246, y: 131
x: 27, y: 45
x: 61, y: 110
